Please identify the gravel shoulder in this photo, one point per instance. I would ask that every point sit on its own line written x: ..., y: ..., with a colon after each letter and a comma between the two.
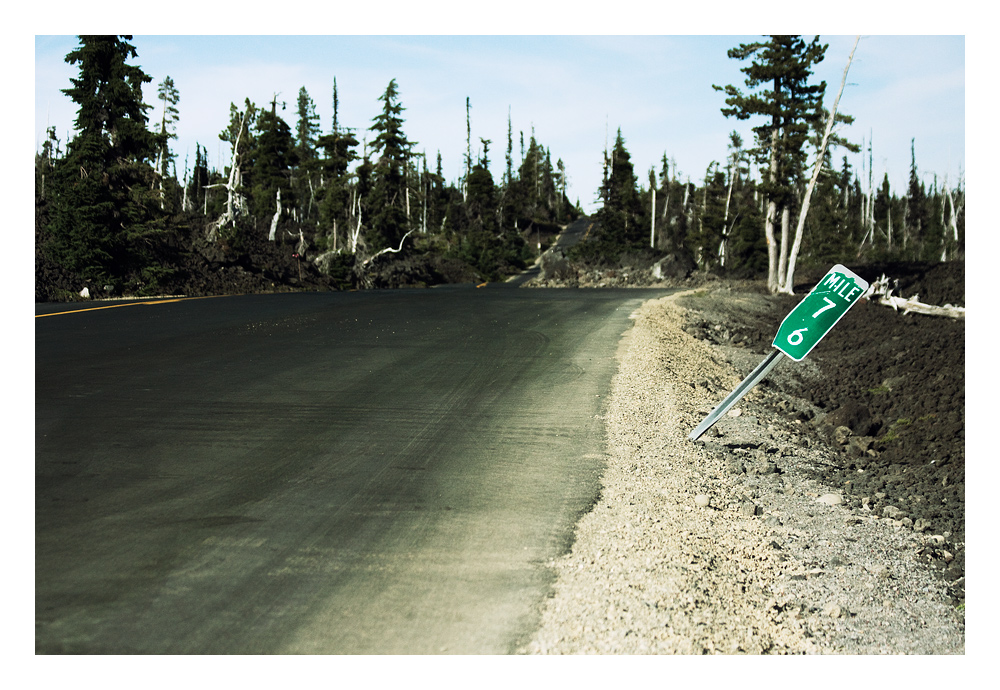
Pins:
x: 731, y: 545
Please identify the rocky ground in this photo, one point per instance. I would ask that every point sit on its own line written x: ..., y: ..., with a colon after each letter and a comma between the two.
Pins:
x: 193, y: 266
x: 824, y: 515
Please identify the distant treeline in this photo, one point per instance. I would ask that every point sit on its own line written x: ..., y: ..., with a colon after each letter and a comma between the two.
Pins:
x: 109, y: 199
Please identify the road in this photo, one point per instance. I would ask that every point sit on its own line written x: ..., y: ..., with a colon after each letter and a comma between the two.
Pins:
x: 349, y: 473
x: 575, y: 232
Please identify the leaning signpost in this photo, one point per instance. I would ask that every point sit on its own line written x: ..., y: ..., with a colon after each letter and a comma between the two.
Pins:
x: 798, y: 334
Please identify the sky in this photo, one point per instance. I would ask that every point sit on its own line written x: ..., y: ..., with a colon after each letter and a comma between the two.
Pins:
x: 574, y: 91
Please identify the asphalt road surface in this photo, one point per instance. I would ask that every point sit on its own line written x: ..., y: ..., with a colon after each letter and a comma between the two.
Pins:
x: 372, y: 472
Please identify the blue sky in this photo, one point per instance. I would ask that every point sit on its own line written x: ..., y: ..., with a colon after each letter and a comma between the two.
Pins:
x: 574, y: 90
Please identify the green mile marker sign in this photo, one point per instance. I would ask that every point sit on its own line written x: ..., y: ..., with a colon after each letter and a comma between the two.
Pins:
x: 805, y: 326
x: 819, y: 311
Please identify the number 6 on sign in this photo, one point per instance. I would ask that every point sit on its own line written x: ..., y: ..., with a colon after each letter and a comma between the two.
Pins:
x: 795, y: 337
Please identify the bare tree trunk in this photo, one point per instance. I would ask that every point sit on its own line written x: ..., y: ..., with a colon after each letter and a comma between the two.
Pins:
x: 275, y: 217
x: 684, y: 207
x: 870, y: 218
x: 233, y: 202
x: 772, y: 211
x: 423, y: 215
x: 906, y: 217
x: 786, y: 214
x: 356, y: 232
x: 953, y: 222
x: 772, y: 247
x: 889, y: 228
x: 159, y: 175
x: 789, y: 274
x: 652, y: 222
x: 729, y: 195
x: 184, y: 200
x: 881, y: 292
x: 387, y: 250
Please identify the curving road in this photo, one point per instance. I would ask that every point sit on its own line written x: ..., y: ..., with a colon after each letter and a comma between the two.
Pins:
x: 377, y: 472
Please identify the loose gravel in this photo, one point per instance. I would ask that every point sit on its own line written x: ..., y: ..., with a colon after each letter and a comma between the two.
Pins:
x: 728, y: 545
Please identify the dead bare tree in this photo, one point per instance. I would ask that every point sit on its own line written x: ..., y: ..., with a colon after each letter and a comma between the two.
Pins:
x: 881, y: 292
x: 788, y: 275
x: 275, y: 217
x: 235, y: 202
x: 387, y: 250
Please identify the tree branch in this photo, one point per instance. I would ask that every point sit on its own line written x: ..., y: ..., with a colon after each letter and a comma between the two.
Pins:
x: 387, y: 250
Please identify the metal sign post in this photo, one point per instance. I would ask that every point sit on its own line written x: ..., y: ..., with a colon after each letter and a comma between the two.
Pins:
x: 798, y: 334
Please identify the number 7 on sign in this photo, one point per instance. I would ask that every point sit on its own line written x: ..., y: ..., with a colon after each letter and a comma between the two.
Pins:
x: 830, y: 304
x: 798, y: 334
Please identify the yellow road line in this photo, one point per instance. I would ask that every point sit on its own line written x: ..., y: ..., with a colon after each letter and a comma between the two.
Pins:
x: 126, y: 304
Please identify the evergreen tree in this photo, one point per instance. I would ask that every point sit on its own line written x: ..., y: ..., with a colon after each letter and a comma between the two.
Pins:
x: 339, y: 149
x: 827, y: 229
x: 791, y: 107
x: 509, y: 170
x: 273, y: 157
x: 919, y: 244
x: 705, y: 239
x: 169, y: 97
x: 307, y: 131
x: 623, y: 226
x: 104, y: 213
x: 199, y: 179
x: 45, y: 162
x: 620, y: 216
x: 388, y: 221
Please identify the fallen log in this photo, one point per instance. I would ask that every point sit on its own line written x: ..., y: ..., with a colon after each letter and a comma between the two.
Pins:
x: 881, y: 292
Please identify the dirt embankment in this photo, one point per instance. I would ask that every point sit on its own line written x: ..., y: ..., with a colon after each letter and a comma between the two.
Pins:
x: 825, y: 514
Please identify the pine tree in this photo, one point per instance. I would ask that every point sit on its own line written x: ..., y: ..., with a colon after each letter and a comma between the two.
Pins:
x: 706, y: 238
x: 199, y: 179
x: 623, y: 225
x: 104, y: 212
x: 919, y: 241
x: 169, y: 97
x: 307, y: 128
x: 307, y: 131
x: 780, y: 68
x: 388, y: 223
x: 337, y: 203
x: 274, y: 156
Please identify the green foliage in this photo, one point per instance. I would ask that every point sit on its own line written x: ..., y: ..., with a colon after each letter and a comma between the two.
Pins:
x: 708, y: 232
x: 623, y: 224
x: 273, y: 157
x: 790, y: 107
x: 169, y: 97
x: 387, y: 218
x: 104, y: 214
x: 307, y: 130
